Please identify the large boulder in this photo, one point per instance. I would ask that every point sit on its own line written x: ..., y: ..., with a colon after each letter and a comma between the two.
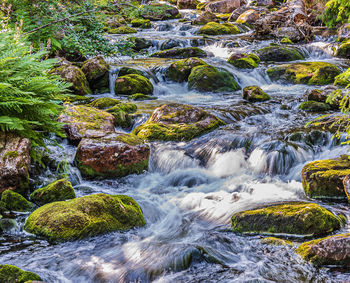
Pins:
x: 176, y: 122
x: 332, y: 250
x: 114, y: 155
x: 323, y: 179
x: 248, y: 17
x: 14, y: 163
x: 84, y: 122
x: 131, y: 84
x: 181, y: 53
x: 187, y: 4
x: 57, y: 191
x: 294, y: 218
x: 12, y: 274
x: 279, y: 54
x: 209, y: 78
x: 314, y: 106
x: 204, y: 18
x: 312, y: 73
x: 96, y: 71
x: 344, y: 50
x: 84, y: 217
x: 15, y: 202
x: 255, y: 94
x: 224, y: 6
x: 244, y: 61
x: 158, y: 12
x: 180, y: 70
x: 214, y: 28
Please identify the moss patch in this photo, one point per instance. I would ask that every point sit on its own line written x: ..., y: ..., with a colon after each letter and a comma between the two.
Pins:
x: 244, y: 61
x: 213, y: 28
x: 314, y: 106
x: 122, y: 30
x: 181, y: 53
x: 255, y: 94
x: 131, y: 84
x: 344, y: 50
x: 276, y: 241
x: 180, y: 70
x: 12, y: 274
x: 15, y: 201
x: 141, y: 96
x: 279, y: 54
x: 104, y: 102
x: 141, y: 23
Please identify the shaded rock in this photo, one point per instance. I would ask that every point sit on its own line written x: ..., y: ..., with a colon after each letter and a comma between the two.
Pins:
x: 248, y: 17
x: 96, y: 71
x: 141, y: 96
x: 321, y: 95
x: 344, y: 50
x: 204, y: 18
x: 292, y: 32
x: 114, y: 155
x: 128, y: 71
x: 140, y: 43
x: 213, y: 28
x: 181, y: 53
x: 141, y: 23
x: 180, y: 70
x: 171, y: 43
x: 244, y: 61
x: 209, y: 78
x: 187, y: 4
x: 343, y: 79
x: 84, y: 217
x: 157, y: 11
x: 175, y: 122
x: 294, y: 218
x: 224, y: 6
x: 7, y: 224
x: 11, y: 273
x: 122, y: 30
x: 15, y: 202
x: 312, y: 73
x: 57, y: 191
x: 314, y: 106
x: 131, y: 84
x: 83, y: 122
x: 14, y: 163
x: 121, y: 114
x: 279, y: 54
x: 255, y: 94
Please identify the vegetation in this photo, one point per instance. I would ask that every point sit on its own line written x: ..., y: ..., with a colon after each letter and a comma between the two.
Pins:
x: 337, y: 12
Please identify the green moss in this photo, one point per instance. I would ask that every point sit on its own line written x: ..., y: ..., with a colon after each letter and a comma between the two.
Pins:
x: 244, y: 61
x: 127, y: 107
x: 157, y: 11
x: 213, y: 28
x: 131, y: 84
x: 314, y: 106
x: 15, y: 201
x: 344, y: 50
x: 255, y: 94
x: 180, y: 70
x: 122, y: 30
x: 279, y: 54
x: 122, y: 118
x: 286, y: 40
x: 85, y: 216
x: 276, y: 241
x: 12, y: 274
x: 343, y: 79
x: 128, y: 71
x: 312, y: 73
x: 209, y: 78
x: 10, y: 155
x: 56, y: 191
x: 141, y: 23
x: 295, y: 218
x: 96, y: 71
x: 141, y: 96
x: 180, y: 53
x: 104, y: 102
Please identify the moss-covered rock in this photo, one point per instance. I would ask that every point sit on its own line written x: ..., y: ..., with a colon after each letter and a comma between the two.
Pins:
x: 214, y: 28
x: 12, y: 274
x: 128, y: 71
x: 104, y: 102
x: 96, y: 71
x: 276, y: 241
x: 158, y: 12
x: 314, y: 106
x: 187, y: 4
x: 56, y: 191
x: 140, y: 43
x: 180, y: 70
x: 175, y: 122
x: 279, y: 54
x: 141, y: 96
x: 131, y: 84
x: 122, y: 30
x: 209, y: 78
x: 121, y: 114
x: 286, y: 40
x: 248, y: 17
x: 141, y: 23
x: 343, y: 79
x: 7, y: 224
x: 323, y: 179
x: 312, y: 73
x: 244, y: 61
x: 255, y: 94
x: 332, y: 250
x: 181, y: 53
x: 295, y: 218
x: 84, y: 217
x: 344, y: 50
x: 16, y: 202
x: 204, y: 18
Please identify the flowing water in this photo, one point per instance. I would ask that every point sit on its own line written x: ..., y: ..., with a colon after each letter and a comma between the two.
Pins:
x: 193, y: 188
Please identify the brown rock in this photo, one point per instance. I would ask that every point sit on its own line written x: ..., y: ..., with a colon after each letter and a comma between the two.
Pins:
x: 187, y: 4
x: 96, y: 71
x: 249, y: 17
x: 224, y: 6
x: 204, y: 18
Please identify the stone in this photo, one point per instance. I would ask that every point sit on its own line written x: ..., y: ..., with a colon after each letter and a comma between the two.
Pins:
x: 213, y: 28
x: 180, y: 70
x: 104, y: 102
x: 279, y: 54
x: 344, y: 50
x: 11, y: 273
x: 140, y: 43
x: 204, y: 18
x: 141, y: 23
x: 244, y: 61
x: 141, y: 97
x: 96, y: 71
x: 255, y: 94
x: 181, y: 53
x: 344, y: 32
x: 15, y: 202
x: 171, y: 43
x: 248, y: 17
x: 276, y: 241
x: 224, y: 6
x: 314, y: 106
x: 131, y: 84
x: 187, y: 4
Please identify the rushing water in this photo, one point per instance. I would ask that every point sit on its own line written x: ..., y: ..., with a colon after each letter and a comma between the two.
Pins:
x: 193, y: 188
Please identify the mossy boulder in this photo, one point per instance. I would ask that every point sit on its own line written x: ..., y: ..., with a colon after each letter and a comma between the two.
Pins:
x: 209, y: 78
x: 214, y: 28
x: 187, y: 4
x: 255, y: 94
x: 84, y: 217
x: 104, y: 102
x: 294, y: 218
x: 122, y: 30
x: 131, y: 84
x: 15, y: 202
x: 343, y: 79
x: 181, y: 53
x: 344, y: 50
x: 96, y: 71
x: 321, y: 95
x: 158, y: 12
x: 121, y: 114
x: 141, y: 23
x: 128, y: 71
x: 141, y: 96
x: 12, y: 274
x: 140, y: 43
x: 278, y: 53
x: 180, y: 70
x: 176, y: 122
x: 82, y: 121
x: 114, y: 155
x: 314, y: 106
x: 204, y: 18
x: 248, y: 17
x: 59, y: 190
x: 312, y: 73
x: 244, y: 61
x: 332, y: 250
x: 323, y: 179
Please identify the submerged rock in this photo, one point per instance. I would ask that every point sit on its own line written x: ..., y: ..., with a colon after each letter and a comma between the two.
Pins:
x: 279, y: 54
x: 213, y: 28
x: 84, y: 217
x: 15, y: 202
x: 244, y: 61
x: 140, y: 43
x: 11, y: 273
x: 56, y: 191
x: 314, y: 106
x: 332, y: 250
x: 131, y: 84
x: 312, y: 73
x: 141, y: 96
x: 255, y: 94
x: 175, y: 122
x: 181, y: 53
x: 295, y: 218
x: 96, y: 71
x: 114, y: 155
x: 180, y: 70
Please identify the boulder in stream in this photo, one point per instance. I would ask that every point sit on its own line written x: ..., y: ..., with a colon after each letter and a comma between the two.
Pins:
x: 279, y: 54
x: 255, y: 94
x: 314, y: 106
x: 96, y: 71
x: 244, y: 61
x: 15, y: 202
x: 141, y: 23
x: 214, y: 28
x: 248, y: 17
x: 224, y: 6
x: 84, y: 217
x: 131, y: 84
x: 180, y: 70
x: 11, y: 273
x: 344, y: 50
x: 181, y: 53
x: 204, y: 18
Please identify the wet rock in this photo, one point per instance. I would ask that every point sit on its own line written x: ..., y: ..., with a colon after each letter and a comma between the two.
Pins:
x: 213, y: 28
x: 248, y: 17
x: 96, y: 71
x: 74, y: 75
x: 140, y: 43
x: 157, y: 12
x: 295, y: 218
x: 276, y: 241
x: 332, y: 250
x: 209, y: 78
x: 57, y: 191
x: 181, y: 53
x: 104, y: 102
x: 255, y: 94
x: 180, y: 70
x: 84, y: 217
x: 279, y: 54
x: 187, y: 4
x: 321, y: 95
x: 171, y: 43
x: 14, y: 163
x: 204, y: 18
x: 343, y: 79
x: 175, y: 122
x: 224, y: 6
x: 314, y: 106
x: 15, y: 202
x: 128, y: 71
x: 164, y: 27
x: 7, y: 224
x: 115, y: 155
x: 344, y: 50
x: 344, y: 32
x: 122, y: 30
x: 265, y: 2
x: 131, y: 84
x: 244, y: 61
x: 11, y: 273
x: 312, y: 73
x: 83, y: 122
x: 141, y: 23
x: 141, y: 96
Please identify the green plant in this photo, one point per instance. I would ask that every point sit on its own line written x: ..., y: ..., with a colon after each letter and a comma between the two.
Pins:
x: 337, y: 12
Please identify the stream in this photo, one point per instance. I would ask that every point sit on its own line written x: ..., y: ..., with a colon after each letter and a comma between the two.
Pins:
x: 193, y: 188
